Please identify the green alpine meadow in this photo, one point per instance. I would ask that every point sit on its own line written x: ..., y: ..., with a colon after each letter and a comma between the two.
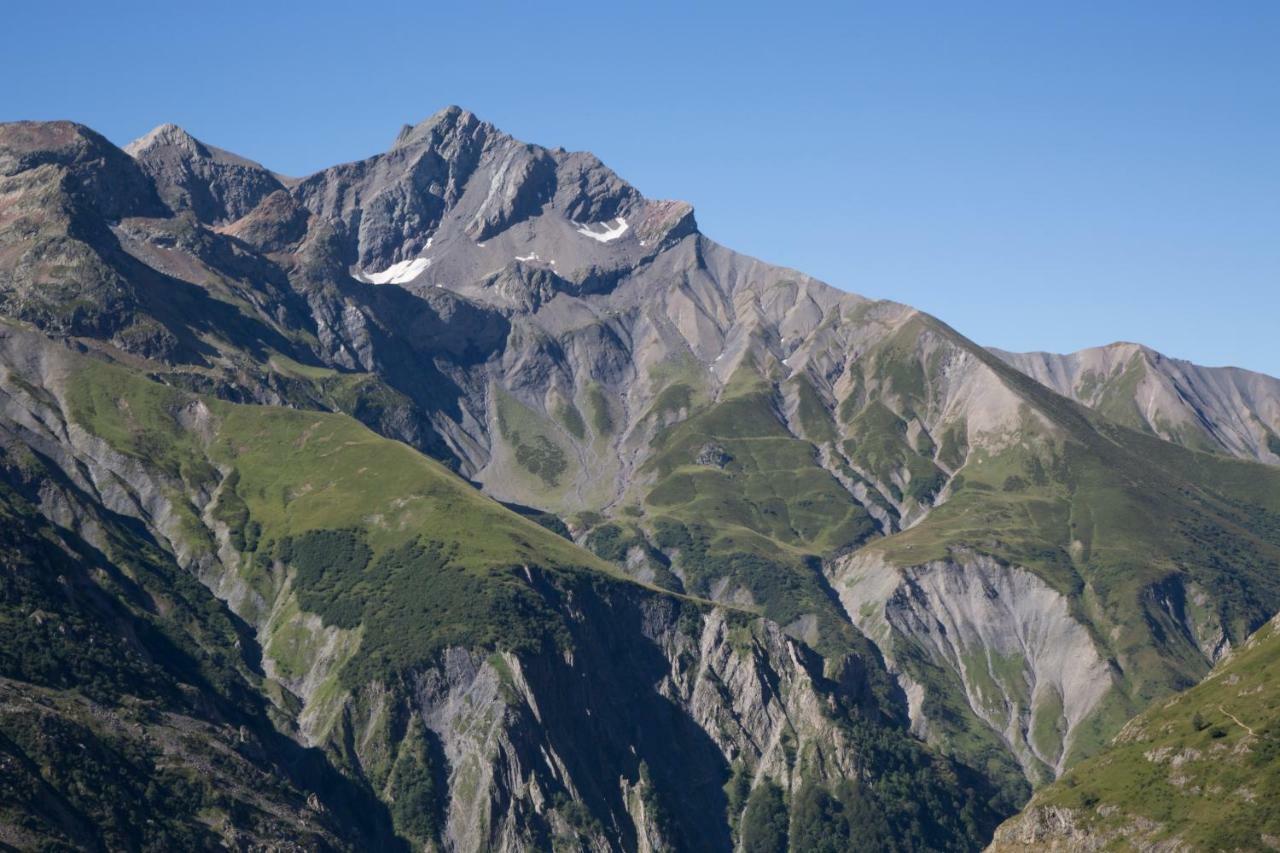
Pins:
x: 462, y: 498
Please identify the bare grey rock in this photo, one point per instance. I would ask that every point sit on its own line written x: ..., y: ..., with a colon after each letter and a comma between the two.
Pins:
x: 1025, y: 666
x: 216, y: 185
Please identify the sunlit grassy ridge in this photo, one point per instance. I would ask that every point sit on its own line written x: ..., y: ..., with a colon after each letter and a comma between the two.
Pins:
x: 379, y: 538
x: 1202, y: 767
x: 304, y: 470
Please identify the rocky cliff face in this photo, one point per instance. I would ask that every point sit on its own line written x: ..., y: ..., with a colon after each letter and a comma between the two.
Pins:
x: 1005, y: 643
x: 523, y: 740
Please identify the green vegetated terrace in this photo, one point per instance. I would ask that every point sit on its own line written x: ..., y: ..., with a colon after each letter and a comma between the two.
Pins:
x: 743, y: 501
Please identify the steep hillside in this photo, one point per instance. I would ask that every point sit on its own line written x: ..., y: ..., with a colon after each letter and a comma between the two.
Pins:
x: 129, y: 717
x: 1200, y: 771
x: 489, y: 682
x: 1218, y: 409
x: 1077, y: 571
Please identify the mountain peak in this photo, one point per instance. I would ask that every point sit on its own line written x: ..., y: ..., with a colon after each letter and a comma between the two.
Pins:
x: 165, y: 135
x: 216, y: 185
x: 453, y: 120
x: 454, y: 175
x: 103, y: 172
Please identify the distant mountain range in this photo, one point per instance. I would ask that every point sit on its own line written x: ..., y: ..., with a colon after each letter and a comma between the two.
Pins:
x: 464, y: 498
x: 1215, y: 409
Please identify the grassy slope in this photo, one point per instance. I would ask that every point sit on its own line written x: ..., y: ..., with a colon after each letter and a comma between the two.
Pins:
x: 1202, y: 767
x: 436, y: 562
x: 403, y: 553
x: 758, y: 509
x: 768, y: 483
x: 892, y: 386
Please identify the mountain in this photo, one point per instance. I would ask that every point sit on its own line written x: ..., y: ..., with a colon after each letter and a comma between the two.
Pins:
x: 532, y: 517
x: 394, y: 619
x: 1215, y: 409
x: 215, y: 185
x: 1199, y: 771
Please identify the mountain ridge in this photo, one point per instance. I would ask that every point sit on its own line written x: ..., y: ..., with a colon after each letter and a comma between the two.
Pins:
x: 857, y: 487
x: 1220, y: 409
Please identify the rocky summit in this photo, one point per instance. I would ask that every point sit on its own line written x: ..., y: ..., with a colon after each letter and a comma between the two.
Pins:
x: 463, y: 498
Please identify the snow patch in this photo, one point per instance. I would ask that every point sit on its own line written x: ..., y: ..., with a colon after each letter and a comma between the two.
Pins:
x: 609, y: 234
x: 530, y: 257
x: 398, y: 273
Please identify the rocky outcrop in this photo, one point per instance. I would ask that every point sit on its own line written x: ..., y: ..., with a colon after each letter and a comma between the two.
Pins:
x: 215, y: 185
x: 1022, y: 662
x: 1061, y: 830
x: 275, y: 225
x: 521, y: 739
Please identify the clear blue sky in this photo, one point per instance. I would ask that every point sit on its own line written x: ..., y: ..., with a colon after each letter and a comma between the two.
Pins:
x: 1041, y: 175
